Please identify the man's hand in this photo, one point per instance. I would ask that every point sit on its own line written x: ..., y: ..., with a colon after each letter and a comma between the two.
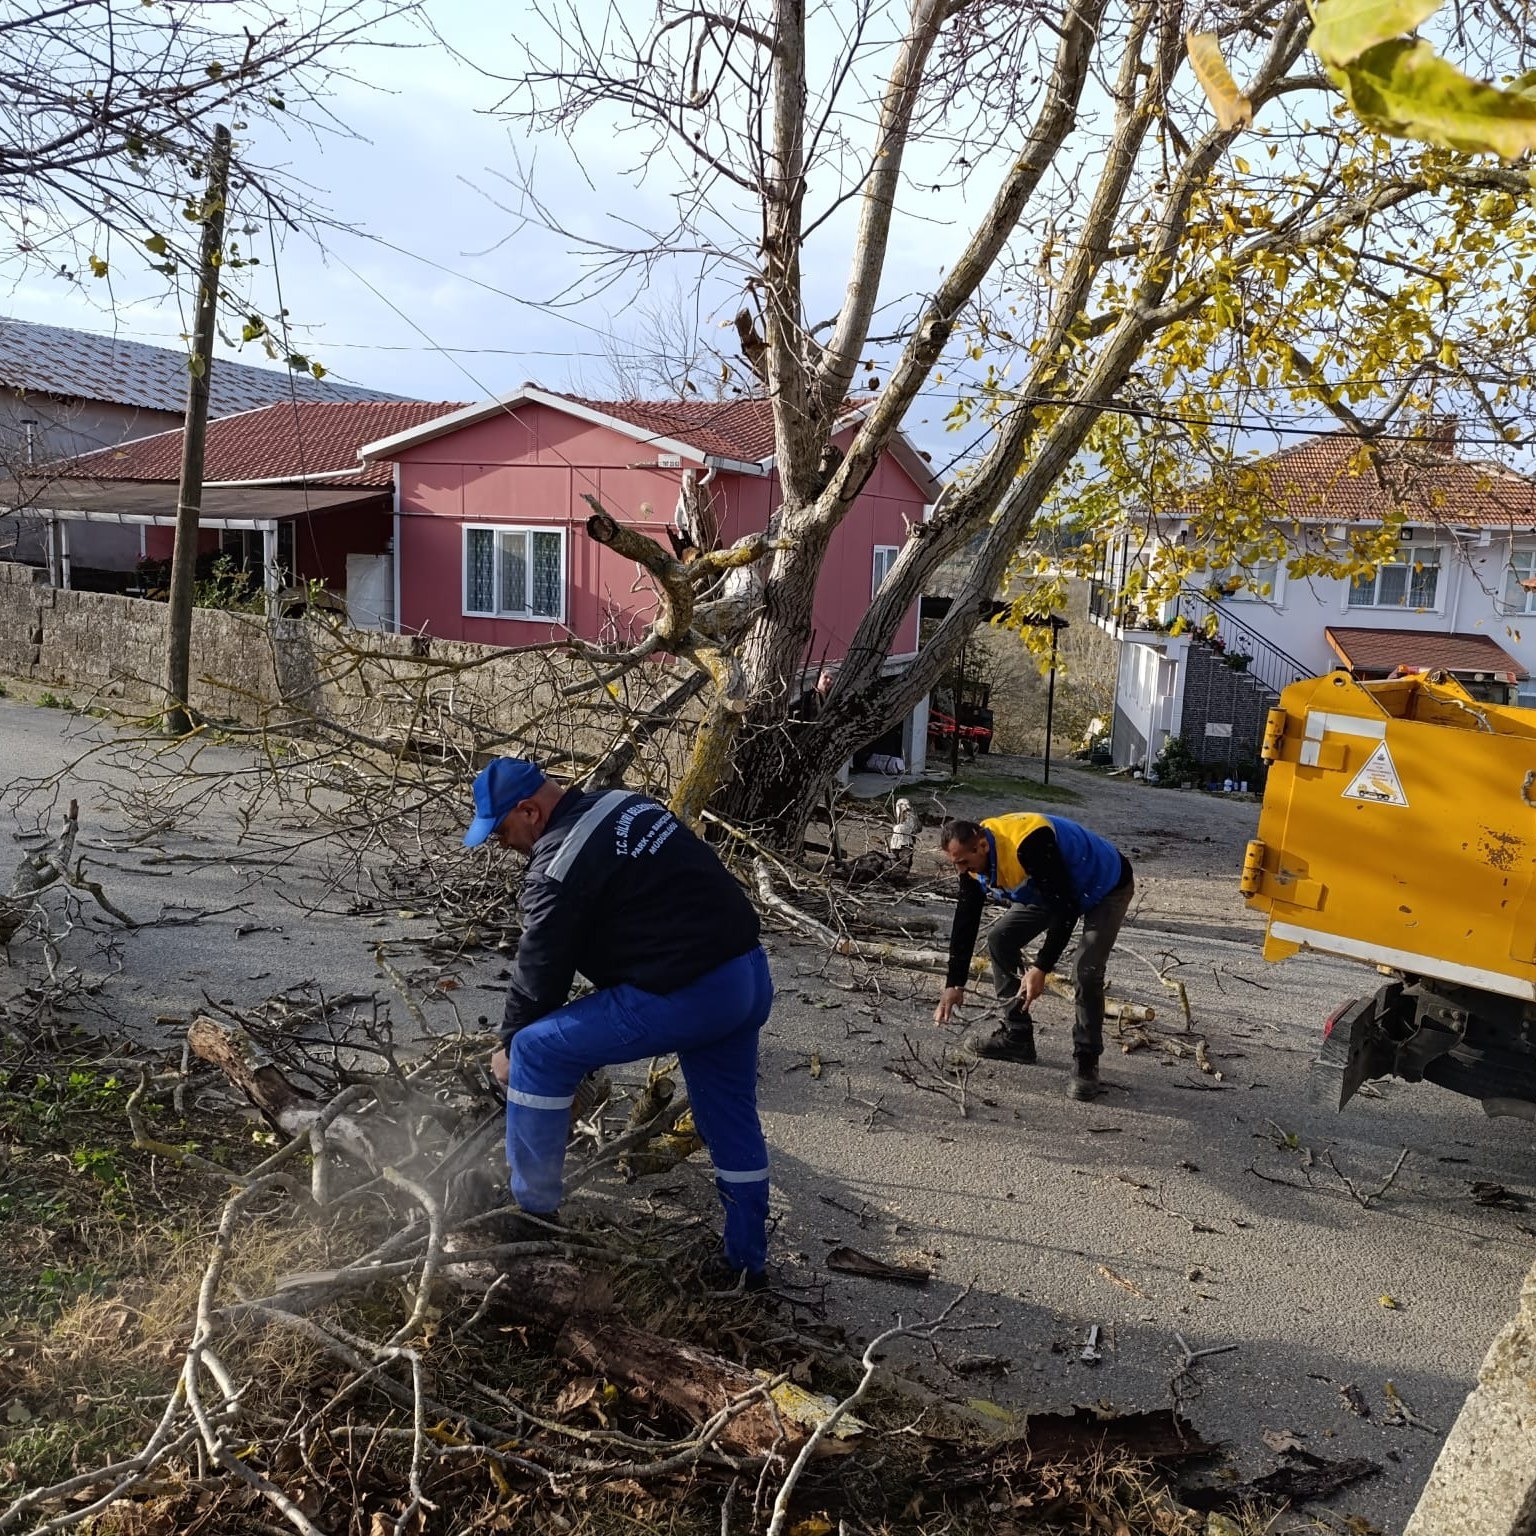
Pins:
x: 500, y: 1066
x: 1034, y: 984
x: 949, y: 999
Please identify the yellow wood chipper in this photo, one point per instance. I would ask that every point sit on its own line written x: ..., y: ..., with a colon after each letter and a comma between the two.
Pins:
x: 1399, y: 829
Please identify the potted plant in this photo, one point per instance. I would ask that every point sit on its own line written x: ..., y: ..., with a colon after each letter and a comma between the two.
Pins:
x: 1238, y: 660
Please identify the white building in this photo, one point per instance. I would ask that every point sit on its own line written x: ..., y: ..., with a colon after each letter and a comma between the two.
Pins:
x: 1459, y: 597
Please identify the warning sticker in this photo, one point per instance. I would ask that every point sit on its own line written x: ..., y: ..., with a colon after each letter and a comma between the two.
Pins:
x: 1378, y: 780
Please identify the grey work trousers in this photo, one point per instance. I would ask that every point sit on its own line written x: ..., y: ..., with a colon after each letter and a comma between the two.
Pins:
x: 1021, y: 925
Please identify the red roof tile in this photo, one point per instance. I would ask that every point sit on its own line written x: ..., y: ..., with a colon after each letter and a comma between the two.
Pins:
x: 1330, y: 479
x: 277, y: 442
x: 727, y: 429
x: 1385, y: 650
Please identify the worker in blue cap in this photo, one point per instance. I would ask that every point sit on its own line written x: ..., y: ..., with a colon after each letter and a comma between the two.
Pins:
x: 620, y: 890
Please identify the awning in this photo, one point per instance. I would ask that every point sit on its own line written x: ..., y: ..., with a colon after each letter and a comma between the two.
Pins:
x: 1380, y: 652
x: 154, y: 502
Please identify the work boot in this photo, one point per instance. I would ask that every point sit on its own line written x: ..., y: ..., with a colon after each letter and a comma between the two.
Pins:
x: 1084, y: 1082
x: 1013, y: 1040
x: 718, y: 1275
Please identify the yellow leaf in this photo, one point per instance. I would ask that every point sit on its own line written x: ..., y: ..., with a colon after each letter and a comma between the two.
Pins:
x: 1347, y: 28
x: 809, y: 1409
x: 98, y: 267
x: 815, y: 1526
x: 1391, y: 1303
x: 1231, y: 106
x: 1241, y: 164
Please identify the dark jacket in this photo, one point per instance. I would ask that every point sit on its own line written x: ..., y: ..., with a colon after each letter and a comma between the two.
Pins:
x: 621, y: 891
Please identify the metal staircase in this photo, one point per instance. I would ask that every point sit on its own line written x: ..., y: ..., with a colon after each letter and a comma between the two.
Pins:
x: 1269, y: 668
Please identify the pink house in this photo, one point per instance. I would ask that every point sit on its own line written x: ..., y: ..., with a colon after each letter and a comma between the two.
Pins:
x: 489, y: 512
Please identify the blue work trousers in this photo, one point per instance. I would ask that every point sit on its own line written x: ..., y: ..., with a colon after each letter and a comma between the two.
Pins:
x: 711, y: 1026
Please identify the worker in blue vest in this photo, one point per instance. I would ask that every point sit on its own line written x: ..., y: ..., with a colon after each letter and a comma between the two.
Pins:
x: 621, y: 891
x: 1050, y: 872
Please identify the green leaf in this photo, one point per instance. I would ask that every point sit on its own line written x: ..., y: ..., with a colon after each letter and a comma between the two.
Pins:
x: 1406, y: 89
x: 196, y: 366
x: 1344, y: 29
x: 156, y: 244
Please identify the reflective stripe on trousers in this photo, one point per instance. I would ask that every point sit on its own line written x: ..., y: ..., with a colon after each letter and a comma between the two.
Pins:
x: 711, y: 1026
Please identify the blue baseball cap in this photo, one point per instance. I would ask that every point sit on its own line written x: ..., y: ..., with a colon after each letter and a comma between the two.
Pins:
x: 501, y: 784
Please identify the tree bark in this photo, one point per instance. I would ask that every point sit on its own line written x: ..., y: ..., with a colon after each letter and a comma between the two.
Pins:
x: 189, y: 497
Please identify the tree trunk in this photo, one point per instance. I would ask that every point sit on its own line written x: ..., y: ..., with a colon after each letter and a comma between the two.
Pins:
x: 189, y: 496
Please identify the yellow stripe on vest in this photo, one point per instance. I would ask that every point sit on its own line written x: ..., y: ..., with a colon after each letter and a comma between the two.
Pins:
x: 1007, y: 833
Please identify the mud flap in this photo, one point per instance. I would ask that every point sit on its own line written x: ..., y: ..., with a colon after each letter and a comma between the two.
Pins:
x: 1367, y: 1049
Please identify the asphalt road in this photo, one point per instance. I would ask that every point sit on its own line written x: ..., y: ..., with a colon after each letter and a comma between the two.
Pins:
x: 1221, y: 1211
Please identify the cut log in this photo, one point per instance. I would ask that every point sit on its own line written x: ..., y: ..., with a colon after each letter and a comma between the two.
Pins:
x: 247, y: 1066
x: 555, y: 1295
x: 230, y: 1049
x: 693, y: 1381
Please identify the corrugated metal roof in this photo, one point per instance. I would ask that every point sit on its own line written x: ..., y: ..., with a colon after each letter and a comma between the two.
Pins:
x: 1385, y: 650
x: 81, y: 365
x: 278, y: 442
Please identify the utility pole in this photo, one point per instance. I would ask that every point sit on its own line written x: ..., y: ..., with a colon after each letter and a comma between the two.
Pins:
x: 189, y: 498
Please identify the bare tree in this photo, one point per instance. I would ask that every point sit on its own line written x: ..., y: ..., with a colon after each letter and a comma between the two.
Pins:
x: 107, y: 113
x: 1123, y: 247
x: 658, y: 351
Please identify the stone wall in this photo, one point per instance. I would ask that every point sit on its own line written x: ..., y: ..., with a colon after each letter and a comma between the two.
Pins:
x: 107, y: 650
x: 1235, y: 703
x: 111, y: 650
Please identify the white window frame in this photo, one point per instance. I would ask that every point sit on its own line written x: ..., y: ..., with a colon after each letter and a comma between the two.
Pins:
x: 1413, y: 555
x: 1518, y: 600
x: 1249, y: 591
x: 523, y: 615
x: 877, y: 576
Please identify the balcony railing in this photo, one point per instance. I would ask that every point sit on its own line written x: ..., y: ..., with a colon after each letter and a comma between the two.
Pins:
x: 1119, y: 612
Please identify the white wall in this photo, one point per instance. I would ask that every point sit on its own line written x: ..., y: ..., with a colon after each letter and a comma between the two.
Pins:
x: 1469, y: 600
x: 1149, y: 690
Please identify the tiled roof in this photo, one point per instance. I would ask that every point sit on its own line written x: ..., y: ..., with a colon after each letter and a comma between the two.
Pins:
x: 278, y: 442
x: 735, y: 431
x: 1330, y: 479
x: 726, y: 429
x: 1384, y: 650
x: 81, y: 365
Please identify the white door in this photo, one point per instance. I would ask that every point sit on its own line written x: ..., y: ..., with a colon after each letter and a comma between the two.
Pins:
x: 370, y: 592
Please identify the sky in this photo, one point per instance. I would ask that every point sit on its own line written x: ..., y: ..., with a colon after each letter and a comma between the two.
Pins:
x: 431, y: 289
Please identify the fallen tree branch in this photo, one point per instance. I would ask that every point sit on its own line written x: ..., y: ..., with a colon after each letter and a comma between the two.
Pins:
x: 871, y: 1363
x: 842, y: 944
